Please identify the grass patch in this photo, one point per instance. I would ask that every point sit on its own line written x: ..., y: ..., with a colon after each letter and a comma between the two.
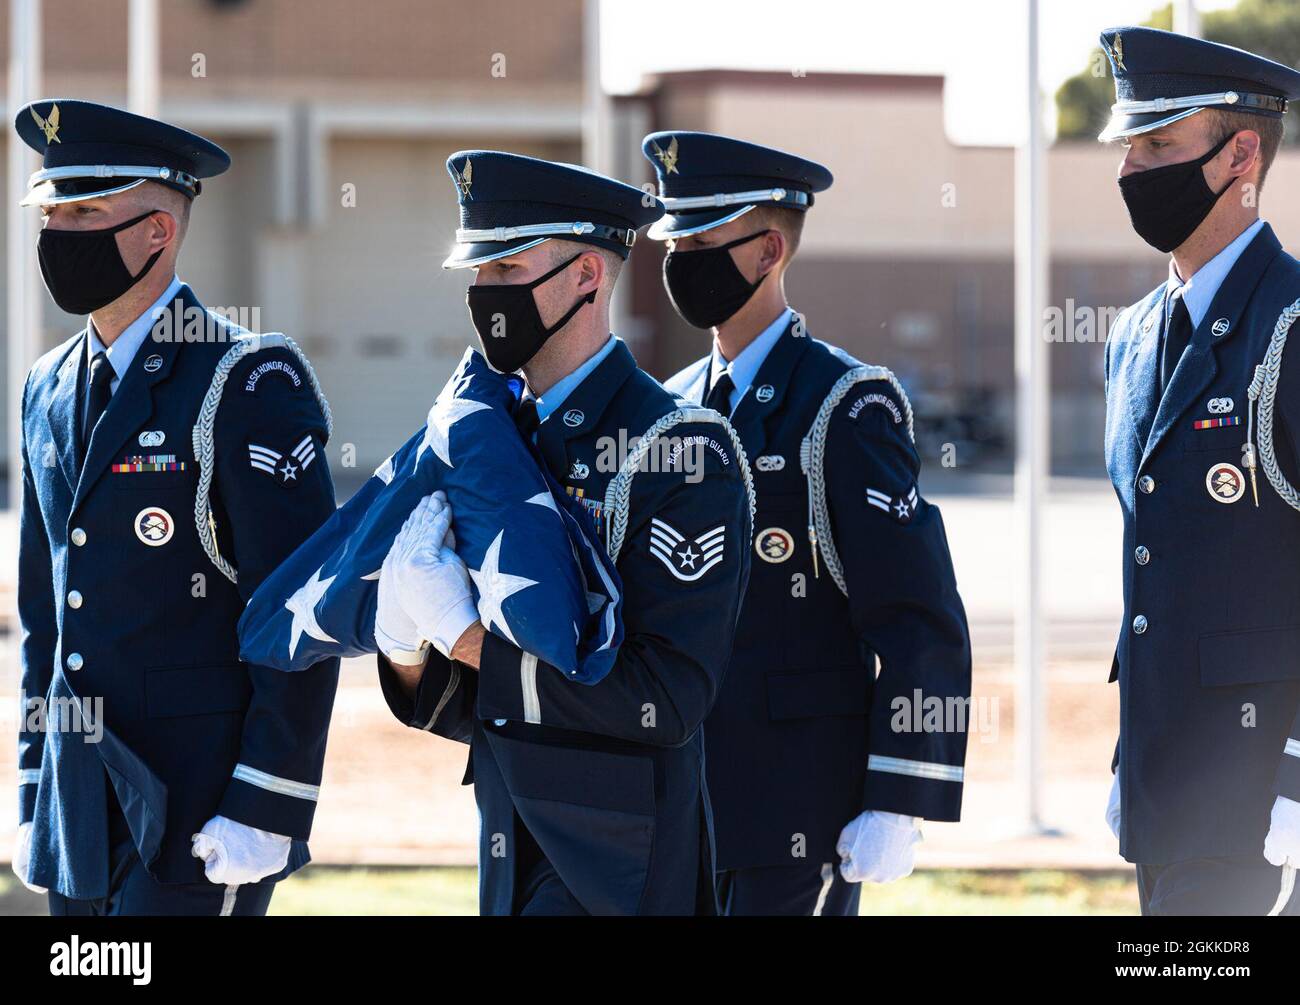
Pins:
x: 335, y: 890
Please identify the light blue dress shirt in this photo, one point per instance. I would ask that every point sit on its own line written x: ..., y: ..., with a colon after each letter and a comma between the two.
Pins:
x: 554, y: 396
x: 744, y: 368
x: 1199, y: 291
x: 126, y: 345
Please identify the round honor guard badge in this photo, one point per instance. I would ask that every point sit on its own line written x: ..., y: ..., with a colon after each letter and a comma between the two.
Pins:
x: 774, y: 544
x: 1225, y: 483
x: 154, y: 526
x: 765, y: 393
x: 153, y: 363
x: 574, y: 418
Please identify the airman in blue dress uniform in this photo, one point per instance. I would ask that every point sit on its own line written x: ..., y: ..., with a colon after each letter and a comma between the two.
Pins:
x: 593, y: 798
x: 820, y: 768
x: 1202, y: 421
x: 170, y: 460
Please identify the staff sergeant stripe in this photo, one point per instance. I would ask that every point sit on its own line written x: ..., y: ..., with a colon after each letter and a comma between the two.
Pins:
x: 280, y: 786
x: 917, y: 769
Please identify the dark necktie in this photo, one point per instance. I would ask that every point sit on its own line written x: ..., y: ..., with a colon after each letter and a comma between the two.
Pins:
x: 1178, y: 335
x: 526, y: 418
x: 719, y: 398
x: 98, y: 394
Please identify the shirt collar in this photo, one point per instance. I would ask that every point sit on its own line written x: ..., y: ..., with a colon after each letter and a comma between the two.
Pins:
x: 744, y: 368
x: 126, y: 345
x: 1198, y: 292
x: 554, y: 397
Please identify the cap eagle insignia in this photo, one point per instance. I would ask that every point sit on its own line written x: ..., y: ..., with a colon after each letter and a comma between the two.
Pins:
x: 49, y: 126
x: 668, y: 158
x: 464, y: 178
x: 1116, y: 52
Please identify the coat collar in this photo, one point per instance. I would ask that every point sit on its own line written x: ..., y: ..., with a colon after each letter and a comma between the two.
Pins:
x: 1199, y: 365
x: 62, y: 414
x: 768, y: 389
x: 583, y: 407
x: 132, y: 402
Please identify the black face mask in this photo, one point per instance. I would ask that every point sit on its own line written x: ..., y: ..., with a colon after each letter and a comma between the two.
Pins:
x: 83, y: 269
x: 705, y: 286
x: 509, y: 326
x: 1167, y: 204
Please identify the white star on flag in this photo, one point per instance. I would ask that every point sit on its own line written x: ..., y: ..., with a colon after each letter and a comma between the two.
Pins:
x: 544, y: 499
x: 495, y: 587
x: 303, y: 605
x: 446, y: 412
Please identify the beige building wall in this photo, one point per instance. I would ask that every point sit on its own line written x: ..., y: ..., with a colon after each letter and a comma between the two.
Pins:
x: 310, y: 98
x: 907, y: 259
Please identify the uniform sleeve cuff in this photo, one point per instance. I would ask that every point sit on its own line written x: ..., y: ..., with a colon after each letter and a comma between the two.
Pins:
x: 26, y: 803
x: 418, y: 711
x: 503, y: 672
x: 914, y: 788
x: 1288, y: 772
x: 270, y: 803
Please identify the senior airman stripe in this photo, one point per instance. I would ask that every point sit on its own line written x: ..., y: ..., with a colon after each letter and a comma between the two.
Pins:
x: 917, y: 769
x: 272, y: 783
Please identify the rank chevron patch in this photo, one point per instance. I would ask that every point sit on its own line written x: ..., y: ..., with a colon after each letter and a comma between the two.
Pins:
x: 687, y: 560
x: 284, y: 468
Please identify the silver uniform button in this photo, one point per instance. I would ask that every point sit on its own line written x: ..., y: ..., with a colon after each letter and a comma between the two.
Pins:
x: 1140, y: 624
x: 498, y: 722
x: 78, y: 536
x: 75, y: 662
x: 1147, y: 484
x: 74, y: 599
x: 1142, y: 555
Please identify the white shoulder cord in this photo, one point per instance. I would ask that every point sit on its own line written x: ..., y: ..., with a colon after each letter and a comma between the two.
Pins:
x: 619, y: 490
x: 1264, y: 388
x: 203, y: 435
x: 812, y: 456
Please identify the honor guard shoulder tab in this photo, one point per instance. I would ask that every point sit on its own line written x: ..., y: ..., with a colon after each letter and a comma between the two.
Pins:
x: 812, y: 456
x: 619, y: 491
x: 246, y: 343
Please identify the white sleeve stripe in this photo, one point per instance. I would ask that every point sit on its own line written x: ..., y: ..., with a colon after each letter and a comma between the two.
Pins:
x: 1293, y: 747
x: 272, y: 783
x: 29, y: 776
x: 917, y: 769
x: 528, y: 681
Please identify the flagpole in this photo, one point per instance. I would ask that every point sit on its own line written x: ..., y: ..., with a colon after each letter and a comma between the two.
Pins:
x: 22, y: 311
x: 142, y: 91
x: 1033, y: 438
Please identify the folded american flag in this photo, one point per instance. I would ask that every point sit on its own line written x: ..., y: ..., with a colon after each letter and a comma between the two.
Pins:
x: 541, y: 578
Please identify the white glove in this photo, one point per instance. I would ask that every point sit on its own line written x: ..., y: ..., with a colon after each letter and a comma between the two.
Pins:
x: 1282, y: 845
x: 424, y: 587
x: 878, y: 847
x: 234, y: 854
x: 23, y: 857
x: 1112, y: 806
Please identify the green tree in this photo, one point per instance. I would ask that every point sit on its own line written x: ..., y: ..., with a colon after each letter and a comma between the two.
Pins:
x: 1270, y: 28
